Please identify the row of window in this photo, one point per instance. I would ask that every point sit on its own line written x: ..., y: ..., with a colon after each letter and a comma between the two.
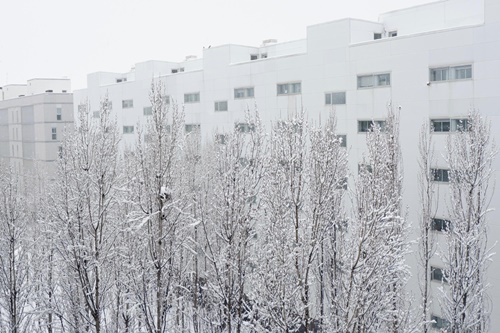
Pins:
x: 336, y: 98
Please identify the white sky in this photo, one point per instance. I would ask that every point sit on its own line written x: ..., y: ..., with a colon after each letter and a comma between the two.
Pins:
x: 70, y: 38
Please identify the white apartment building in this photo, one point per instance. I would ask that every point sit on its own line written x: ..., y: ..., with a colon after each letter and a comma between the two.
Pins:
x: 433, y: 62
x: 32, y: 120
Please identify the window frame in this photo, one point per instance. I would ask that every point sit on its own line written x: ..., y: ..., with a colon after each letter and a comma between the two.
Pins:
x: 438, y: 274
x: 59, y: 112
x: 439, y: 175
x: 127, y: 103
x: 193, y: 97
x: 147, y: 111
x: 453, y: 125
x: 440, y: 225
x: 244, y: 92
x: 217, y: 106
x: 244, y: 127
x: 128, y: 129
x: 451, y: 73
x: 54, y: 133
x: 374, y: 80
x: 190, y: 128
x: 371, y: 123
x: 289, y: 88
x: 343, y: 137
x: 331, y: 96
x: 439, y: 323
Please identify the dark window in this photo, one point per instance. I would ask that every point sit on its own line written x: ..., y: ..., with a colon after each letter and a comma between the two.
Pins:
x: 440, y: 224
x: 343, y: 140
x: 245, y: 127
x: 439, y: 323
x: 377, y: 35
x: 440, y: 175
x: 192, y: 128
x: 437, y: 274
x: 367, y: 125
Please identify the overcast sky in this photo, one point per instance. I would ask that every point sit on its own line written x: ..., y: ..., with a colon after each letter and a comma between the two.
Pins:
x: 70, y: 38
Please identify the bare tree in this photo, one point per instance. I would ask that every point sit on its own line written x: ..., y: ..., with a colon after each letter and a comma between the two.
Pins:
x: 85, y: 200
x: 428, y: 201
x: 15, y: 252
x: 376, y: 271
x: 229, y: 220
x: 157, y: 198
x: 470, y: 157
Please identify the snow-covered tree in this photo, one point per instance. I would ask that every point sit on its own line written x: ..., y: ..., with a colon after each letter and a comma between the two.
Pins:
x: 302, y: 204
x: 466, y: 257
x: 156, y: 214
x: 229, y: 219
x: 428, y: 205
x: 85, y: 200
x: 375, y: 271
x: 15, y: 255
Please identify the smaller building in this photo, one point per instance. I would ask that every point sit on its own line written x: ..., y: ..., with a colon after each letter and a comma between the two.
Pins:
x: 33, y: 117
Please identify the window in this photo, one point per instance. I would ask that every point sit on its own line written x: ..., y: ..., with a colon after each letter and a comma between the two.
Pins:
x: 440, y: 125
x: 220, y: 139
x: 96, y: 114
x: 450, y: 73
x: 449, y: 125
x: 440, y: 175
x: 335, y: 98
x: 263, y: 55
x: 54, y: 133
x: 343, y: 140
x: 367, y: 125
x: 289, y: 88
x: 243, y: 93
x: 60, y: 151
x: 374, y: 80
x: 437, y: 274
x: 365, y: 168
x: 128, y: 129
x: 245, y: 127
x: 393, y: 33
x: 127, y: 103
x: 220, y: 106
x: 122, y: 79
x: 254, y: 56
x: 148, y: 110
x: 192, y: 98
x: 439, y: 323
x: 377, y: 35
x: 189, y: 128
x: 342, y: 184
x: 59, y: 113
x: 166, y: 99
x: 462, y: 72
x: 440, y: 224
x: 175, y: 70
x: 82, y: 107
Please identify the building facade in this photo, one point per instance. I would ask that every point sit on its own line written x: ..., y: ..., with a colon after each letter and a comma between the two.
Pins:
x: 433, y: 63
x: 32, y: 121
